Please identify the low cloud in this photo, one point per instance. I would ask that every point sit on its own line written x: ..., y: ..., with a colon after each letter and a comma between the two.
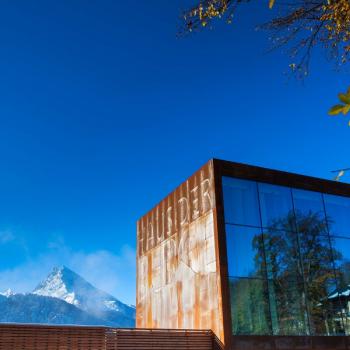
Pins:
x: 112, y: 273
x: 106, y: 270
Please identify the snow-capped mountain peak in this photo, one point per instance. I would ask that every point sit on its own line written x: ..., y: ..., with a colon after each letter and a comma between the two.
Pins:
x: 64, y: 297
x: 7, y: 293
x: 59, y: 284
x: 65, y: 284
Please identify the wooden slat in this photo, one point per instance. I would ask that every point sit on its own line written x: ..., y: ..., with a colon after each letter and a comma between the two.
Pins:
x: 42, y: 337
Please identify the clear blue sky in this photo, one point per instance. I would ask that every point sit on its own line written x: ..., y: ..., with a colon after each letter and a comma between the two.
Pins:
x: 104, y: 111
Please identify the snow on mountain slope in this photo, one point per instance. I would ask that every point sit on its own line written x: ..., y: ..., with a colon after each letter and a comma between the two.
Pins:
x: 64, y: 284
x: 30, y: 308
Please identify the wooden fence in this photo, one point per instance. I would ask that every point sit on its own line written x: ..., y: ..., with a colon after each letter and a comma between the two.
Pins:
x: 41, y: 337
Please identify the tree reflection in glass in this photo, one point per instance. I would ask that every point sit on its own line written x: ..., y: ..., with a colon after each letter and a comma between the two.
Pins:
x: 300, y: 264
x: 284, y: 270
x: 297, y: 277
x: 319, y: 275
x: 342, y: 293
x: 250, y: 306
x: 248, y: 287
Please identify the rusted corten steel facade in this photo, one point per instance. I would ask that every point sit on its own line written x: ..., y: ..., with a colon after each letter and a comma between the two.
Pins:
x: 178, y: 280
x: 182, y: 267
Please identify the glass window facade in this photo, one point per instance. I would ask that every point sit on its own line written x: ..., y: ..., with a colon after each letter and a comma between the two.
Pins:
x: 288, y: 259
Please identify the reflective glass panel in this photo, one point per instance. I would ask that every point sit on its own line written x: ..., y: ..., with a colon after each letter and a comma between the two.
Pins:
x: 276, y: 207
x: 286, y: 289
x: 288, y: 260
x: 241, y: 202
x: 334, y: 315
x: 288, y: 306
x: 245, y: 251
x: 341, y: 253
x: 338, y: 214
x: 282, y: 254
x: 319, y: 279
x: 249, y: 306
x: 309, y: 209
x: 341, y: 248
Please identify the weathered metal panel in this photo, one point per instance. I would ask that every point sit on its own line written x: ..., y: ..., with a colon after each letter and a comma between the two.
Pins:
x: 178, y: 282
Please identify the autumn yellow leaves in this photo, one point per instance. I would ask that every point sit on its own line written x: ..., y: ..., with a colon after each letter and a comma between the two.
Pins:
x: 343, y: 106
